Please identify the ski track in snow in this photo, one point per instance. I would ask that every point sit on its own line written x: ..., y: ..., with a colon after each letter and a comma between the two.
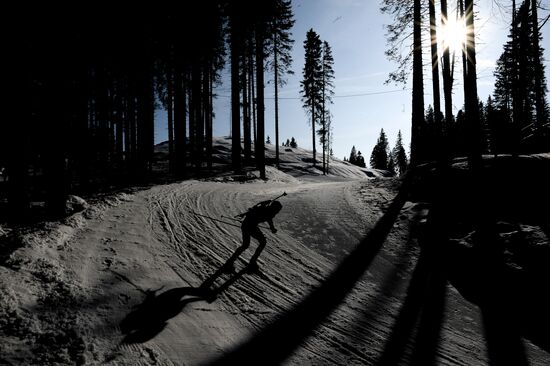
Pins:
x: 171, y: 238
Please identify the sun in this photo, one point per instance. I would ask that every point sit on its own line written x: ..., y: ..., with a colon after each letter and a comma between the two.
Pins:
x: 453, y: 35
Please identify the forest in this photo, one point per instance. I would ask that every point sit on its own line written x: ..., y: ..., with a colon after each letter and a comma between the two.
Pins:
x: 86, y: 87
x: 88, y: 84
x: 445, y: 264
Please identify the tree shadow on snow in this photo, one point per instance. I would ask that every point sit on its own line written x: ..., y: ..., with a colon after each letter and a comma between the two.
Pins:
x: 291, y: 328
x: 511, y: 296
x: 418, y: 326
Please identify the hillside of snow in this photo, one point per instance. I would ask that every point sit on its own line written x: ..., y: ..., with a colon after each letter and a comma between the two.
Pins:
x: 295, y: 162
x: 122, y: 281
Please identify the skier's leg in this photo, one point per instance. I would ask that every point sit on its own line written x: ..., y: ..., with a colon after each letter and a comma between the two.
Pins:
x: 239, y: 250
x: 258, y: 235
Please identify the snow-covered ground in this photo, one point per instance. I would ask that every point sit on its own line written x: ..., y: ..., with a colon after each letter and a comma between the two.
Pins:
x: 118, y: 283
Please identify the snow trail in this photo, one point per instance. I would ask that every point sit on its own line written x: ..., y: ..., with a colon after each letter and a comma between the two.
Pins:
x: 139, y: 265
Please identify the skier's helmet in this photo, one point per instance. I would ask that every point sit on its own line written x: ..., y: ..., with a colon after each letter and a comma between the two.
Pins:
x: 275, y: 207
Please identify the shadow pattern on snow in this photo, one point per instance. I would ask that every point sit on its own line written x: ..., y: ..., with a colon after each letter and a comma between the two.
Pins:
x: 277, y: 341
x: 476, y: 275
x: 150, y: 317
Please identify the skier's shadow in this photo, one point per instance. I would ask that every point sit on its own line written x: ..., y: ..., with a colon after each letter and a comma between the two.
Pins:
x: 150, y: 317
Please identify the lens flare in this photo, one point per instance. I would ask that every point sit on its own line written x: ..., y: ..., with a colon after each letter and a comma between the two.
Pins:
x: 453, y: 35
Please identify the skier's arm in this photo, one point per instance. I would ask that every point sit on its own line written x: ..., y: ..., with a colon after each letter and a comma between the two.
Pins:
x: 271, y: 226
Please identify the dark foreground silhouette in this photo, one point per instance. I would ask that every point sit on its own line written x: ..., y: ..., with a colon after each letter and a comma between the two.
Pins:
x: 465, y: 206
x: 264, y: 211
x: 150, y: 317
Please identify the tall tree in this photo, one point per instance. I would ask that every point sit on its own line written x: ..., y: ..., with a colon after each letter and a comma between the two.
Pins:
x: 541, y: 106
x: 380, y: 152
x: 360, y: 161
x: 470, y: 90
x: 247, y: 59
x: 407, y: 14
x: 353, y: 155
x: 328, y: 122
x: 391, y: 165
x: 264, y: 14
x: 437, y: 128
x: 447, y: 75
x: 280, y: 48
x: 327, y: 92
x: 519, y: 83
x: 417, y: 125
x: 397, y: 35
x: 435, y: 59
x: 310, y: 85
x: 399, y: 155
x: 235, y: 14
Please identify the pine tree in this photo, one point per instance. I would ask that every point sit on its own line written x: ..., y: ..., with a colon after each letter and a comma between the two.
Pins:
x: 310, y: 85
x: 520, y: 86
x: 280, y: 48
x: 379, y: 155
x: 399, y: 155
x: 407, y: 15
x: 402, y: 12
x: 353, y: 155
x: 471, y: 106
x: 268, y: 141
x: 235, y: 14
x: 391, y: 165
x: 327, y: 92
x: 417, y: 121
x: 360, y: 160
x: 446, y: 70
x: 435, y: 60
x: 111, y: 78
x: 293, y: 143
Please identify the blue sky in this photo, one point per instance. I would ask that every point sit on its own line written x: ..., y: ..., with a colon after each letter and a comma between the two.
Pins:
x: 363, y: 104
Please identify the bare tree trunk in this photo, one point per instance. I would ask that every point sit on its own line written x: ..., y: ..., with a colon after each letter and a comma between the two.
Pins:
x: 180, y: 122
x: 235, y: 99
x: 209, y: 121
x: 470, y: 88
x: 195, y: 118
x: 447, y: 87
x: 260, y: 147
x: 170, y: 113
x: 313, y: 130
x: 253, y: 100
x: 539, y: 100
x: 435, y: 59
x: 417, y: 125
x: 246, y: 109
x: 437, y: 129
x: 276, y: 76
x: 133, y: 126
x: 516, y: 115
x: 127, y: 145
x: 118, y: 128
x: 324, y: 126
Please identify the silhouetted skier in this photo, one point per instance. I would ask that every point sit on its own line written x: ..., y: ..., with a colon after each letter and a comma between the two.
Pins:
x: 262, y: 212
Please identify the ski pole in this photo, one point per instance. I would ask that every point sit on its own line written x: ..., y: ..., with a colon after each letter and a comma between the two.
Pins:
x: 282, y: 195
x: 231, y: 218
x: 214, y: 219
